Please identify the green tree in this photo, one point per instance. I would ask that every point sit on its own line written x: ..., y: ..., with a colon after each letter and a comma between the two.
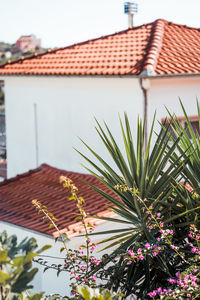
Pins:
x: 16, y: 271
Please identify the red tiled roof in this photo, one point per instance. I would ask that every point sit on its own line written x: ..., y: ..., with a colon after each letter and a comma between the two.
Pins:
x: 160, y: 47
x: 16, y: 195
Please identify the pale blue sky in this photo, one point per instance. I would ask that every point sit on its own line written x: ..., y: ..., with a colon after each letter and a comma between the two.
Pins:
x: 63, y: 22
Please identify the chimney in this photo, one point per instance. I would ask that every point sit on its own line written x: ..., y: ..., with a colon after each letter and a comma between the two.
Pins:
x: 130, y: 8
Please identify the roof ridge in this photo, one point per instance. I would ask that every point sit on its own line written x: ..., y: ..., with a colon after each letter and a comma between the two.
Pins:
x: 42, y: 167
x: 155, y: 46
x: 46, y: 166
x: 49, y: 51
x: 22, y: 175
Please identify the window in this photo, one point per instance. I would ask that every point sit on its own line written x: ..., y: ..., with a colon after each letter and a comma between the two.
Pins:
x: 193, y: 120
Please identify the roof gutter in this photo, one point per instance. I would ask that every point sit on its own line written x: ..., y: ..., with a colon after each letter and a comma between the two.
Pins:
x: 155, y: 76
x: 142, y: 75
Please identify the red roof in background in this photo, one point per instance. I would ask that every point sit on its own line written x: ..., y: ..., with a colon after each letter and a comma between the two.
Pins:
x: 16, y: 195
x: 159, y: 47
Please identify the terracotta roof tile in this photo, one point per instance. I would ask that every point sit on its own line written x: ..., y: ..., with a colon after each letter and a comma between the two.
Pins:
x: 159, y: 47
x: 16, y: 195
x: 180, y: 50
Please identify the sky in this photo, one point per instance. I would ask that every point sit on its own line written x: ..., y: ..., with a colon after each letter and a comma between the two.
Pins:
x: 61, y: 23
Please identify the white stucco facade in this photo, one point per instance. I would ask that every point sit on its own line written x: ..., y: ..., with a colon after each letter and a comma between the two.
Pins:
x: 165, y: 92
x: 45, y: 115
x: 65, y: 109
x: 48, y: 281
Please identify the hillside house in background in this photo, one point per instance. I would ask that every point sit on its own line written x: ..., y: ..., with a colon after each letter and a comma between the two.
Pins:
x: 52, y: 97
x: 27, y: 43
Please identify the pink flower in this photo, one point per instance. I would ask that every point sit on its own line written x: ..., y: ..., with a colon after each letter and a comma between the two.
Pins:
x: 194, y: 250
x: 141, y: 257
x: 131, y: 253
x: 88, y: 241
x: 152, y: 294
x: 77, y: 277
x: 159, y: 248
x: 178, y: 275
x: 85, y: 280
x: 173, y: 247
x: 158, y: 215
x: 155, y: 253
x: 139, y: 251
x: 171, y: 231
x: 150, y: 207
x: 94, y: 277
x: 188, y: 295
x: 171, y: 280
x: 161, y: 224
x: 147, y: 246
x: 195, y: 270
x: 159, y: 291
x: 158, y: 239
x: 150, y: 227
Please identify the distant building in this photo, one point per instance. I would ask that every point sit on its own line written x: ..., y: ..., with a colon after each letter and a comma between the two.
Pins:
x: 27, y: 43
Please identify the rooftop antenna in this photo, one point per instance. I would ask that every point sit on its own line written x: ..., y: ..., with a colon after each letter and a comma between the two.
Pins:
x: 130, y: 8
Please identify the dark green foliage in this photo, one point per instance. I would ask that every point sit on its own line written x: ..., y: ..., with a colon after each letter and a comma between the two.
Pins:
x: 189, y: 145
x: 148, y: 175
x: 16, y: 270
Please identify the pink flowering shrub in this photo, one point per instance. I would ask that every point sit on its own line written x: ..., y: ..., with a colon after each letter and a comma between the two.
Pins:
x: 156, y: 253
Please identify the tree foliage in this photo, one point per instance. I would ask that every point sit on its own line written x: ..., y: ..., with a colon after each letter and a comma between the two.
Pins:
x: 16, y: 271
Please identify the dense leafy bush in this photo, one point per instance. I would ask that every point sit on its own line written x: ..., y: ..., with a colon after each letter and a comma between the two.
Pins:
x: 16, y: 270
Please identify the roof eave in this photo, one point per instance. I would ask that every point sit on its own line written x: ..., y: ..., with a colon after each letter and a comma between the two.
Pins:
x: 155, y: 76
x: 147, y: 73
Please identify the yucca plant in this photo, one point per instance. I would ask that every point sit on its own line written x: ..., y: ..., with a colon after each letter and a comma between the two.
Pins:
x: 190, y: 142
x: 188, y: 186
x: 145, y: 178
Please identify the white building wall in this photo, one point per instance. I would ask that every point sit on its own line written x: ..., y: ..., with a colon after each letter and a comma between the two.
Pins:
x: 167, y: 91
x: 48, y: 281
x: 66, y: 107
